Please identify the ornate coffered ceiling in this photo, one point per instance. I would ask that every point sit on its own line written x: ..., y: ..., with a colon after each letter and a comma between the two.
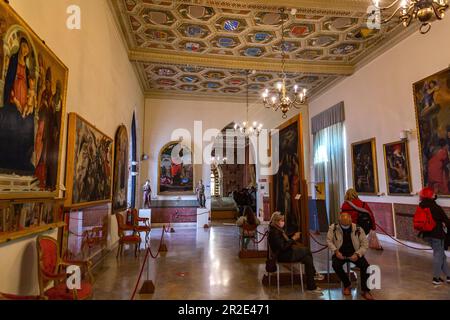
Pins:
x: 188, y: 47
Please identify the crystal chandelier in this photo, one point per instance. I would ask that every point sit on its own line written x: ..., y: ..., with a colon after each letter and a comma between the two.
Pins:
x: 246, y: 128
x: 283, y: 100
x: 423, y: 10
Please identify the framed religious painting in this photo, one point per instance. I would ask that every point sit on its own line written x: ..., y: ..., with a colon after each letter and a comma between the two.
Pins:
x: 120, y: 181
x: 288, y: 188
x: 175, y: 169
x: 432, y: 106
x: 364, y: 165
x: 398, y: 175
x: 33, y: 85
x: 89, y: 164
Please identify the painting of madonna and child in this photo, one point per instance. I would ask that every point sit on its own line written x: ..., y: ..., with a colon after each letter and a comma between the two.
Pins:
x: 32, y: 99
x: 432, y: 103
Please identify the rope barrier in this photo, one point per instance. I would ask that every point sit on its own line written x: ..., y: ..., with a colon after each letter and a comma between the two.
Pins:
x: 147, y: 254
x: 402, y: 243
x: 261, y: 240
x: 315, y: 240
x: 320, y: 250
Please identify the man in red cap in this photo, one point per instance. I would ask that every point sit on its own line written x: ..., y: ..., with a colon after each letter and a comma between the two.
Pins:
x: 436, y: 237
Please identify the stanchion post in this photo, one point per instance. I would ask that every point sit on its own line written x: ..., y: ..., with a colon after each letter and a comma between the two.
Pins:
x: 162, y: 246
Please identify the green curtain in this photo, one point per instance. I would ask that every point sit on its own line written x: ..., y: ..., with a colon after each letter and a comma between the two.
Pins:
x: 329, y: 166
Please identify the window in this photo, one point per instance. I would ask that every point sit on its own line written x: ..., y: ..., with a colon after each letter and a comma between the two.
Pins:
x: 321, y: 155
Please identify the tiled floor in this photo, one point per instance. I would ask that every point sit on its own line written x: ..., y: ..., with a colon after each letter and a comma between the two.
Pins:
x: 204, y: 264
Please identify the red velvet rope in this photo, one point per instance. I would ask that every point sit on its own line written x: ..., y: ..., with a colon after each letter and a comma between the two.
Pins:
x: 320, y: 250
x: 261, y: 240
x: 315, y: 240
x: 402, y: 243
x: 147, y: 253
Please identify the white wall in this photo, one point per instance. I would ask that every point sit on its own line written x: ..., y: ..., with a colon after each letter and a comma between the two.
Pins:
x: 103, y: 88
x: 379, y: 99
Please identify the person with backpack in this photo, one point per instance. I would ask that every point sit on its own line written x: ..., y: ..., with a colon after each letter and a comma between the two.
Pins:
x: 360, y: 211
x: 433, y: 224
x: 349, y: 243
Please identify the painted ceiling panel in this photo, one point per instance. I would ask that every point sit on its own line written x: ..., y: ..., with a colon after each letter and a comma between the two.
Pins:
x: 242, y: 30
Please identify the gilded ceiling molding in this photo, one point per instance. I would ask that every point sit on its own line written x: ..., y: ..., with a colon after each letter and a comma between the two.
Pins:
x: 329, y: 5
x: 239, y: 64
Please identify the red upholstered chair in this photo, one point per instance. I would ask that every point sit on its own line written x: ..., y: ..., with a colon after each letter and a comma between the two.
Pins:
x: 141, y: 228
x: 127, y: 239
x: 51, y: 270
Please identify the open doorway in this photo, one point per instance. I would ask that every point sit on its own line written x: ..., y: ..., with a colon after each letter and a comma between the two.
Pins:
x: 233, y: 179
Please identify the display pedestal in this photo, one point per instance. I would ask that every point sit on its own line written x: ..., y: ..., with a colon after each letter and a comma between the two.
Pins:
x: 202, y: 217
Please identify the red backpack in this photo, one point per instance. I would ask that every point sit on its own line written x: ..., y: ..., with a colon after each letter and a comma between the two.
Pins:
x: 423, y: 220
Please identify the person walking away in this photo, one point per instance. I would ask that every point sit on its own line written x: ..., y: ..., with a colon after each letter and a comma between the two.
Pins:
x: 437, y: 236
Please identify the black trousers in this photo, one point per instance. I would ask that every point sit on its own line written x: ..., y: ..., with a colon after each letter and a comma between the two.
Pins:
x: 303, y: 255
x: 361, y: 263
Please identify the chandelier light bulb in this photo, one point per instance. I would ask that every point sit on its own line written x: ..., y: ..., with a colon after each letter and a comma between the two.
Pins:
x: 279, y: 86
x: 295, y: 88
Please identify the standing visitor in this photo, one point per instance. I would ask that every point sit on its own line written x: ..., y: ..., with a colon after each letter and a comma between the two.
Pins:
x: 437, y: 236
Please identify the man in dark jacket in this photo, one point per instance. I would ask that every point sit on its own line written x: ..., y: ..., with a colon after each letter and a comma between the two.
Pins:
x: 436, y: 237
x: 286, y: 250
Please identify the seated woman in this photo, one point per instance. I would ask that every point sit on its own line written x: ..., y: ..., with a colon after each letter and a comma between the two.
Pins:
x: 288, y: 250
x: 250, y: 220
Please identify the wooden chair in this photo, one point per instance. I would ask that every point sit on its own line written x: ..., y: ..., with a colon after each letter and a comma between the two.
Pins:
x: 141, y: 228
x: 133, y: 239
x: 51, y: 269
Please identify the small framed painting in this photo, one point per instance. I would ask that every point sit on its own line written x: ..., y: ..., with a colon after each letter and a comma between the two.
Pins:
x: 398, y: 176
x: 364, y: 164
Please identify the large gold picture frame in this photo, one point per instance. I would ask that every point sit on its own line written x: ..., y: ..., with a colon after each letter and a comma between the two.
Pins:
x: 190, y: 190
x: 89, y: 168
x: 365, y: 171
x: 34, y: 120
x: 120, y: 181
x: 432, y: 102
x: 297, y: 183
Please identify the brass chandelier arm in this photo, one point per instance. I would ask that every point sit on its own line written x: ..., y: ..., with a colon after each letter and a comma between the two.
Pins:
x: 393, y: 15
x: 389, y: 6
x: 439, y: 9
